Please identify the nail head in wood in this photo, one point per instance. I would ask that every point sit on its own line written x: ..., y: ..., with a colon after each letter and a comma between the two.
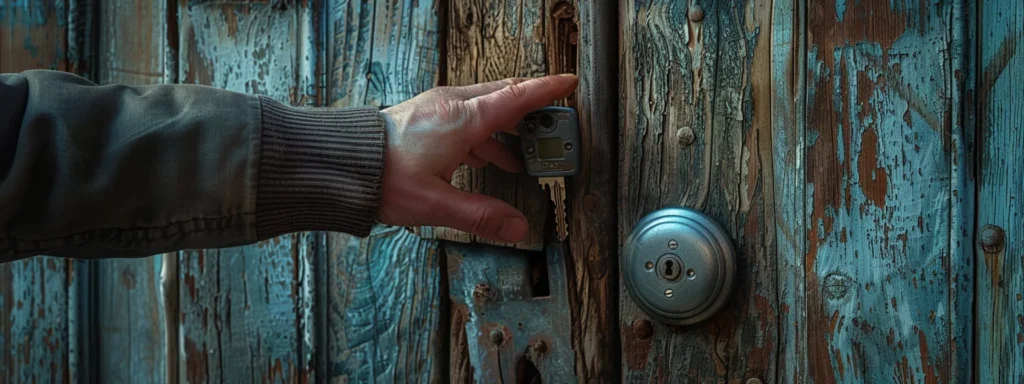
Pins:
x: 696, y: 13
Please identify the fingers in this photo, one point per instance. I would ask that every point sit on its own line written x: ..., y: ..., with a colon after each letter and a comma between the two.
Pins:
x: 494, y: 151
x: 502, y: 109
x: 480, y: 215
x: 475, y: 90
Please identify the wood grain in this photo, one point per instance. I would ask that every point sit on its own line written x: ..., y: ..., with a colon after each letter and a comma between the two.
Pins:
x: 695, y: 134
x: 384, y: 314
x: 130, y: 301
x: 383, y: 299
x: 879, y: 266
x: 592, y: 253
x: 1000, y: 226
x: 244, y: 310
x: 34, y: 315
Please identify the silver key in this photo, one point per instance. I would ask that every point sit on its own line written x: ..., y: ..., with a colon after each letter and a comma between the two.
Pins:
x: 556, y: 187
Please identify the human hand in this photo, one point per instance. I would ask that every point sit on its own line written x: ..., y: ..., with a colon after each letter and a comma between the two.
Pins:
x: 430, y: 135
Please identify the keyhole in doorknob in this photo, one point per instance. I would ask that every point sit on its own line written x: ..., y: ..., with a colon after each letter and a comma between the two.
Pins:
x: 670, y: 267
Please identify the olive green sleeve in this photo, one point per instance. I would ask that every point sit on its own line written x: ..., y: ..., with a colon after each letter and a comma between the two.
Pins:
x: 116, y: 171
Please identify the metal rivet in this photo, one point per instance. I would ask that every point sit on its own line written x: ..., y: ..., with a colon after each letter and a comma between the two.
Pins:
x: 992, y: 239
x: 691, y: 273
x: 669, y: 293
x: 696, y: 13
x: 672, y: 244
x: 497, y: 336
x: 649, y: 265
x: 568, y: 146
x: 685, y: 136
x: 642, y: 329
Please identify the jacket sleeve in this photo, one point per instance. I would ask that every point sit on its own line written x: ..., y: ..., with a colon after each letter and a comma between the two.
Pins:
x: 91, y: 171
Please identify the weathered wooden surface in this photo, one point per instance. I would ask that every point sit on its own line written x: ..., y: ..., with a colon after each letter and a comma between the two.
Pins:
x: 244, y: 311
x: 591, y: 252
x: 130, y: 301
x: 694, y: 133
x: 1000, y: 224
x: 383, y: 294
x: 880, y: 271
x: 384, y: 312
x: 34, y: 316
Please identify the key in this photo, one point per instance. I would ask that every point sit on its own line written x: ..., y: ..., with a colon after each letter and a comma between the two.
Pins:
x: 556, y: 189
x: 550, y: 139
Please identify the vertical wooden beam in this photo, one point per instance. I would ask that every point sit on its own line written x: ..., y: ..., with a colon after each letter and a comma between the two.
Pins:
x: 788, y: 66
x: 696, y: 131
x: 35, y: 324
x: 592, y: 252
x: 242, y: 309
x: 1000, y: 227
x: 383, y: 293
x: 130, y: 300
x: 881, y: 267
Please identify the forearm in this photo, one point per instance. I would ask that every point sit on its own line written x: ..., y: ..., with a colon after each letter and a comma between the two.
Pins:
x: 116, y: 171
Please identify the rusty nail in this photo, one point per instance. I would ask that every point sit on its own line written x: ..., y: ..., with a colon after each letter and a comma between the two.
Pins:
x: 992, y: 239
x: 696, y: 13
x: 669, y: 293
x: 537, y: 350
x: 642, y: 329
x: 685, y: 136
x: 672, y: 244
x: 497, y: 336
x: 483, y: 292
x: 754, y: 380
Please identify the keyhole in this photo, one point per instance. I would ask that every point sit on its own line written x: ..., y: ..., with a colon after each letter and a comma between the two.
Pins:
x: 670, y: 267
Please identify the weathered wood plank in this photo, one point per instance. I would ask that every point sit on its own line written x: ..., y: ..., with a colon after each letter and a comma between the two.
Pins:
x: 788, y: 65
x: 878, y: 219
x: 695, y: 133
x: 492, y: 40
x: 385, y: 303
x: 130, y: 304
x: 383, y: 293
x: 243, y: 309
x: 1000, y: 226
x: 592, y: 253
x: 34, y: 316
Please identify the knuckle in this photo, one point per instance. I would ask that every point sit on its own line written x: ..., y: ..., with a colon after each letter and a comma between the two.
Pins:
x: 514, y: 91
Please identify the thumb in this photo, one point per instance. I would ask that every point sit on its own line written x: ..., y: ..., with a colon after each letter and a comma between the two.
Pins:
x: 480, y: 215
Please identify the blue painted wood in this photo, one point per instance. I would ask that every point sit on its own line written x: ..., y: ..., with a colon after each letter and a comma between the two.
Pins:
x: 882, y: 272
x: 34, y: 316
x: 245, y: 311
x: 383, y: 300
x: 1000, y: 225
x: 130, y: 302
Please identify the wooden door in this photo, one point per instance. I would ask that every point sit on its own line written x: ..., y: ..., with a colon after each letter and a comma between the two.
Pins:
x: 864, y: 157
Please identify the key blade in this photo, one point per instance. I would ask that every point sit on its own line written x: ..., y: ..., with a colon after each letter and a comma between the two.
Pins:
x: 556, y: 188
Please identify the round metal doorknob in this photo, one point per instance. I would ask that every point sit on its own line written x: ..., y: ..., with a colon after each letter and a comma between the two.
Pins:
x: 678, y: 265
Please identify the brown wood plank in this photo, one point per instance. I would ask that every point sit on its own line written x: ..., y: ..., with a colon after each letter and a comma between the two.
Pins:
x: 130, y: 302
x: 592, y: 252
x: 694, y: 133
x: 34, y: 325
x: 383, y: 293
x: 244, y: 310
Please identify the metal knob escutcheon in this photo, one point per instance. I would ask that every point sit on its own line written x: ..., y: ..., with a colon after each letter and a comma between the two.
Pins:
x: 678, y: 265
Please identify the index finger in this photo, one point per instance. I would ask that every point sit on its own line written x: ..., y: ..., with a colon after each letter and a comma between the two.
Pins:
x: 501, y: 110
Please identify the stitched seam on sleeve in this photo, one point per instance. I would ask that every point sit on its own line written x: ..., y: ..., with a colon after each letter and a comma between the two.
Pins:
x: 136, y: 228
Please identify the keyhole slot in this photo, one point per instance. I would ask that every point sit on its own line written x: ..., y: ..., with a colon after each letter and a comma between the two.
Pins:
x: 670, y: 267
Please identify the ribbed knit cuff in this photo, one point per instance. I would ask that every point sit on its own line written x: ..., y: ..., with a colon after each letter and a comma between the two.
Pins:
x: 319, y: 169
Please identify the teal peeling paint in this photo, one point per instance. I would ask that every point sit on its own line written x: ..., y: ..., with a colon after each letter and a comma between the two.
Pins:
x: 840, y: 10
x: 25, y: 12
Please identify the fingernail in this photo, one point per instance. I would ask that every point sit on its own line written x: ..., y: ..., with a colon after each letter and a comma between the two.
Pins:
x: 569, y: 75
x: 513, y: 229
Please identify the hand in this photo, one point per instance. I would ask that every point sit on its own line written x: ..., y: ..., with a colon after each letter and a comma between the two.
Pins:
x: 429, y: 136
